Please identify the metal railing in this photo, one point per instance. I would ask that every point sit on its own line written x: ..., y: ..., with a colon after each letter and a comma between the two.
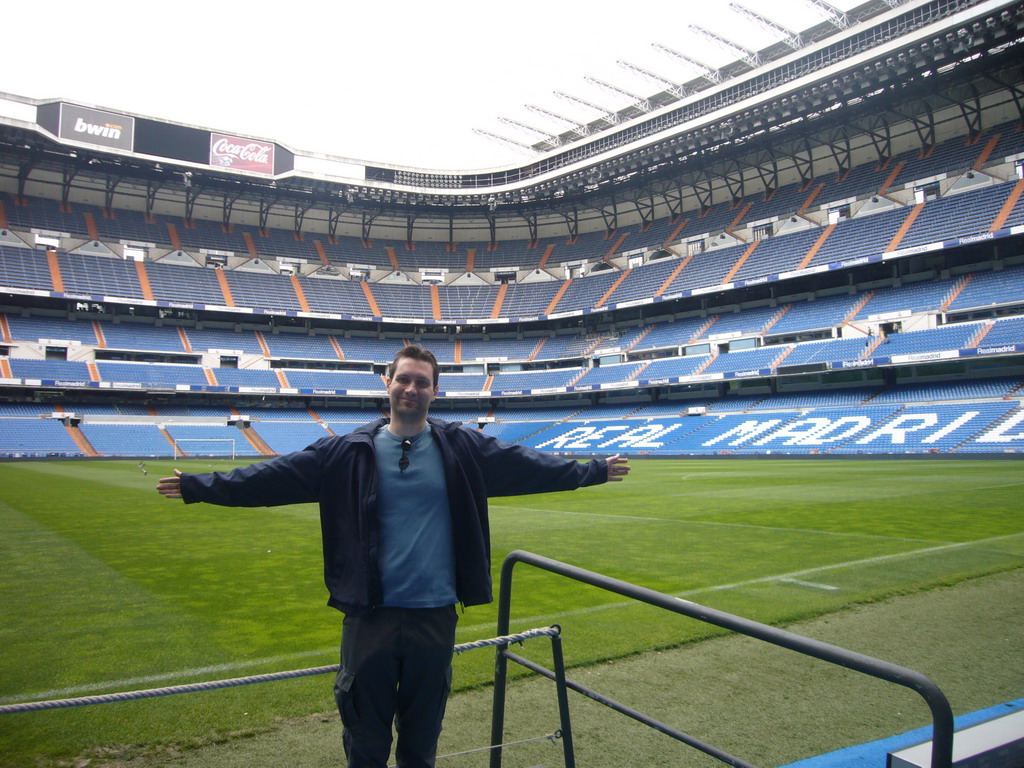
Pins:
x: 942, y: 715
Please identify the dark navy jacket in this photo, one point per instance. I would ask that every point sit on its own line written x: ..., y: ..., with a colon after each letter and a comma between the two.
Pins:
x: 340, y: 473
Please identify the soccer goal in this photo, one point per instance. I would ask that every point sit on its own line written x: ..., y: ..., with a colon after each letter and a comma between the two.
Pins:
x: 182, y: 449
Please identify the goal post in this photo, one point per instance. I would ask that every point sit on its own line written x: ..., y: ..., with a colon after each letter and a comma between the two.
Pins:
x: 180, y: 443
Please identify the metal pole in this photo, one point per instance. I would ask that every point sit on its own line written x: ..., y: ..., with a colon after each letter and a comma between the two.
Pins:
x: 563, y: 701
x: 498, y: 707
x: 500, y: 667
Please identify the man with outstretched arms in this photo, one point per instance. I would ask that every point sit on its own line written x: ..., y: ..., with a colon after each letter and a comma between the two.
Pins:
x: 403, y: 512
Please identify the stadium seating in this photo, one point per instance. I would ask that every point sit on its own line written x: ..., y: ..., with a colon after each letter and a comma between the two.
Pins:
x: 34, y: 328
x: 642, y: 282
x: 987, y: 289
x: 330, y: 379
x: 127, y: 439
x: 302, y: 347
x: 826, y: 312
x: 673, y: 366
x: 609, y: 374
x: 158, y: 338
x: 152, y: 374
x: 463, y: 302
x: 819, y: 399
x: 287, y: 436
x: 36, y: 438
x: 937, y: 339
x: 98, y: 276
x: 777, y: 254
x: 21, y: 268
x: 204, y: 339
x: 54, y: 370
x: 999, y: 388
x: 928, y: 429
x: 337, y: 296
x: 966, y: 213
x: 828, y: 351
x: 918, y: 297
x: 238, y: 377
x: 747, y: 323
x: 746, y: 360
x: 967, y: 313
x: 463, y: 382
x: 369, y: 349
x: 495, y: 349
x: 674, y: 334
x: 508, y: 381
x: 23, y: 410
x: 185, y: 285
x: 247, y: 289
x: 1004, y: 332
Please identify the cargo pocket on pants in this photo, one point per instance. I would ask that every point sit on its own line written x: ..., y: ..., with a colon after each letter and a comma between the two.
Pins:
x: 342, y: 687
x: 444, y: 699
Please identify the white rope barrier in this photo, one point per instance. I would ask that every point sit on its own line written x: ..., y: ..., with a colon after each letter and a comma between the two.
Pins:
x: 81, y: 701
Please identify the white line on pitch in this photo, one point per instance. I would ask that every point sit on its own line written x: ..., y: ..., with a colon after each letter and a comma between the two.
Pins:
x: 539, y: 620
x: 990, y: 487
x: 811, y: 584
x: 776, y: 529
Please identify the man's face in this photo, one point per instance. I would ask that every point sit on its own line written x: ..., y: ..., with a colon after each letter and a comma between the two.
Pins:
x: 411, y: 390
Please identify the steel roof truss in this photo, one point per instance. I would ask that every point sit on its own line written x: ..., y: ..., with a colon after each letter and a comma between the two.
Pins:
x: 227, y: 206
x: 67, y: 176
x: 299, y: 216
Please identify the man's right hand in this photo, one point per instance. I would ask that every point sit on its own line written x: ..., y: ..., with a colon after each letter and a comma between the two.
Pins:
x: 170, y: 486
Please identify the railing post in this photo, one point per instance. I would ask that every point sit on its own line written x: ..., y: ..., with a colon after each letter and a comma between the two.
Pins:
x: 498, y: 707
x: 563, y: 701
x: 501, y: 664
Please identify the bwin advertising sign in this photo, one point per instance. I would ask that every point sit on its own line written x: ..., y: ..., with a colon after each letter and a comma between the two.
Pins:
x: 94, y: 126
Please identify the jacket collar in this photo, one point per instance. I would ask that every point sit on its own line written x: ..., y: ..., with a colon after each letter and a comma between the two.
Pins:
x: 442, y: 424
x: 367, y: 431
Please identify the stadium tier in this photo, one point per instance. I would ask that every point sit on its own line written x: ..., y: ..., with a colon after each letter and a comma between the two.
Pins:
x: 982, y: 417
x: 732, y: 251
x: 842, y: 280
x: 929, y: 297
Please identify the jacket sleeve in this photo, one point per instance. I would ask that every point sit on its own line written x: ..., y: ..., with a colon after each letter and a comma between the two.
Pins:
x: 290, y: 479
x: 513, y: 470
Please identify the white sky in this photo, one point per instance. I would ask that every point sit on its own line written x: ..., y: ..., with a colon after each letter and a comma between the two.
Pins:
x: 399, y: 82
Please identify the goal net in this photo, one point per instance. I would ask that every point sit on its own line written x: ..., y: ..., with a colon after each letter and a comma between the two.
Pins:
x: 194, y: 447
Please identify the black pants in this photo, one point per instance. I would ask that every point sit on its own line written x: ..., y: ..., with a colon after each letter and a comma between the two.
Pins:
x: 396, y: 666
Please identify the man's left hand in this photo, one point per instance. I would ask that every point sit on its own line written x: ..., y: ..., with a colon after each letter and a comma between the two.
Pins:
x: 618, y: 468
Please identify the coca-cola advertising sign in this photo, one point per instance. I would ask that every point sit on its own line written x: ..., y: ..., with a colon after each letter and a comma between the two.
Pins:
x: 240, y: 154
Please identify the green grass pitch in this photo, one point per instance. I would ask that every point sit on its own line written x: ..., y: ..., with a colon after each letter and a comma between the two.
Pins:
x: 107, y: 586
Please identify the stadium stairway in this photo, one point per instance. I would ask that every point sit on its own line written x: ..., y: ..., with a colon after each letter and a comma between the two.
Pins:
x: 256, y: 441
x: 81, y: 441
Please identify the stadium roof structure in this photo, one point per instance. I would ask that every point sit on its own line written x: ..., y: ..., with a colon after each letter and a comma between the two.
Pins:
x: 862, y: 86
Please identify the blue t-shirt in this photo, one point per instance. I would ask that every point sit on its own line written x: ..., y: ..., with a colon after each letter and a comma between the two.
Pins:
x: 417, y: 560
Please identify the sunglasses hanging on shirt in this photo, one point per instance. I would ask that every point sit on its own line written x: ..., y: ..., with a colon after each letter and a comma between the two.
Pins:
x: 403, y: 463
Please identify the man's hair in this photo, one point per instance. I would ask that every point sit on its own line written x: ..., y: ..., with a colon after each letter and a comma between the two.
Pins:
x: 416, y: 353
